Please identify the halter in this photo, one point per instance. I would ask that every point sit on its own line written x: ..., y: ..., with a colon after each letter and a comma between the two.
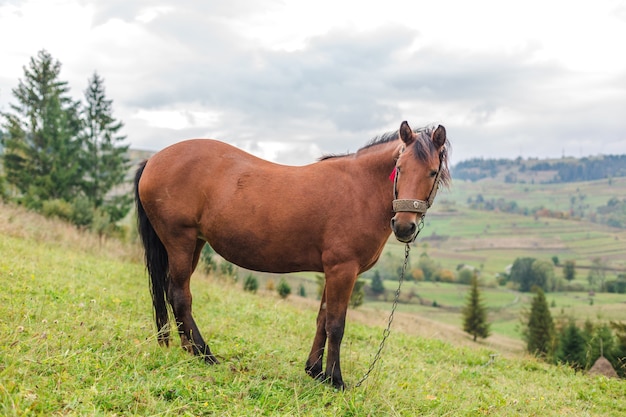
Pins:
x: 414, y: 205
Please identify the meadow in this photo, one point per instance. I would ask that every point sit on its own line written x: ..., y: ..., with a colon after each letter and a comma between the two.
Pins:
x: 77, y: 338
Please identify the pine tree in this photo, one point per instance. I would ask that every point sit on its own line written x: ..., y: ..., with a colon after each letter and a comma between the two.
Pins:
x: 475, y: 313
x: 620, y: 346
x: 377, y: 285
x: 105, y: 159
x: 603, y: 343
x: 251, y: 284
x: 540, y: 329
x: 284, y: 289
x: 572, y: 347
x: 41, y: 150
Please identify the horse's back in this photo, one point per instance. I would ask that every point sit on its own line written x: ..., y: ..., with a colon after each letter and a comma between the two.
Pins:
x: 228, y: 197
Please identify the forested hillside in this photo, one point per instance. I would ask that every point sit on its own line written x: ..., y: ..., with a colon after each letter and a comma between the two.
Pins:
x: 542, y: 170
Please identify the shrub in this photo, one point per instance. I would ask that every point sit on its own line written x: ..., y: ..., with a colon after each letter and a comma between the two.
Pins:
x: 227, y: 269
x: 465, y: 276
x: 283, y: 289
x: 616, y: 286
x: 251, y: 284
x: 57, y: 208
x: 445, y: 275
x: 82, y: 212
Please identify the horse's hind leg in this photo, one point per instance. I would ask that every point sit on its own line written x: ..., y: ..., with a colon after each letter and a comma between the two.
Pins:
x: 183, y: 258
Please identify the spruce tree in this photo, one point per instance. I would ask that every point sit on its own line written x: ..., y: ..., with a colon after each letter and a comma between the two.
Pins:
x: 603, y: 343
x: 540, y: 328
x: 284, y: 289
x: 377, y: 285
x: 572, y: 347
x: 620, y: 346
x: 105, y: 161
x: 41, y: 149
x: 475, y: 313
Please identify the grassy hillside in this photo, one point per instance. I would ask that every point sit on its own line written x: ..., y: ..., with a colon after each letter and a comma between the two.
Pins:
x: 490, y: 241
x: 76, y: 338
x: 497, y: 238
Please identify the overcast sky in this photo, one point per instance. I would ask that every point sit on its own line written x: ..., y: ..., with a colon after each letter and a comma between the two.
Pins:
x: 290, y: 80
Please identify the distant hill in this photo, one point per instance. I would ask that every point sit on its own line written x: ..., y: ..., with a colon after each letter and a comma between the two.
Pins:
x: 545, y: 171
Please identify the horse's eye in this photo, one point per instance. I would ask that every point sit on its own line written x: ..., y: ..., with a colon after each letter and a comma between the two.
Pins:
x: 433, y: 174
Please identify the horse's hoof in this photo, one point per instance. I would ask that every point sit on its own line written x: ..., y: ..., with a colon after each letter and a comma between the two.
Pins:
x: 315, y: 372
x: 210, y: 359
x: 338, y: 385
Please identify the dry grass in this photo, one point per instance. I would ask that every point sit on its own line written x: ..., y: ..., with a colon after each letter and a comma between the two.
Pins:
x: 17, y: 222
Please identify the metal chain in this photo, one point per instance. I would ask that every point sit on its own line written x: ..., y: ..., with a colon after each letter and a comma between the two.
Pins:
x: 387, y: 331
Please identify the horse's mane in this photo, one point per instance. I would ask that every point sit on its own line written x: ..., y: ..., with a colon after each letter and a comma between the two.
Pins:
x: 423, y: 148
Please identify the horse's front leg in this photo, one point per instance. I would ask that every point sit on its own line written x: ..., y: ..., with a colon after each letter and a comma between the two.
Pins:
x: 339, y: 283
x: 314, y: 362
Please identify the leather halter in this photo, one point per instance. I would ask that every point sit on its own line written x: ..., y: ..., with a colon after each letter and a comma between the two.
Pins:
x: 414, y: 205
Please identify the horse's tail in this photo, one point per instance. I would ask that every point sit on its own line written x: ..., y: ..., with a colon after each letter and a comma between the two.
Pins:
x: 156, y: 263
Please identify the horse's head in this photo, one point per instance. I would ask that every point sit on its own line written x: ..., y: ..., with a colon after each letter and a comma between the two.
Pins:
x: 422, y: 166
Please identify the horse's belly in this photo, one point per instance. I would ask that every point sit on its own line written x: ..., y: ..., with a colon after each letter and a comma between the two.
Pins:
x: 268, y: 254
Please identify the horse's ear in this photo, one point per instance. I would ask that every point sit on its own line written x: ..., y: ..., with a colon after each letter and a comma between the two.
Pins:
x: 439, y: 136
x: 406, y: 134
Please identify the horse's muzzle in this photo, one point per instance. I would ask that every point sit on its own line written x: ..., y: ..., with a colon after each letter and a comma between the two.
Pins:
x: 405, y: 232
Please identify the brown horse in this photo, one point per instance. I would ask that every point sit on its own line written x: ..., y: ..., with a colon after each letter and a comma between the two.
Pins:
x: 332, y: 216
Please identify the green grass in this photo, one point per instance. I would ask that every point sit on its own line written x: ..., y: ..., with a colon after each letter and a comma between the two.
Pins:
x: 77, y: 338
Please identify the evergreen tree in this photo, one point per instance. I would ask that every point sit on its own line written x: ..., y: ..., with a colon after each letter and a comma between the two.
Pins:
x: 105, y: 159
x: 41, y: 149
x: 251, y: 284
x: 475, y: 313
x: 603, y: 343
x: 540, y: 327
x: 377, y: 285
x: 284, y: 289
x: 572, y: 347
x: 620, y: 346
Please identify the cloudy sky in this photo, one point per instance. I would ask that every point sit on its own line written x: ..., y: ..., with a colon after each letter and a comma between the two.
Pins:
x: 290, y: 80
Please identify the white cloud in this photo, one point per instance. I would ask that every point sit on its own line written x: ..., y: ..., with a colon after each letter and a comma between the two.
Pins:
x: 177, y: 119
x: 290, y: 80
